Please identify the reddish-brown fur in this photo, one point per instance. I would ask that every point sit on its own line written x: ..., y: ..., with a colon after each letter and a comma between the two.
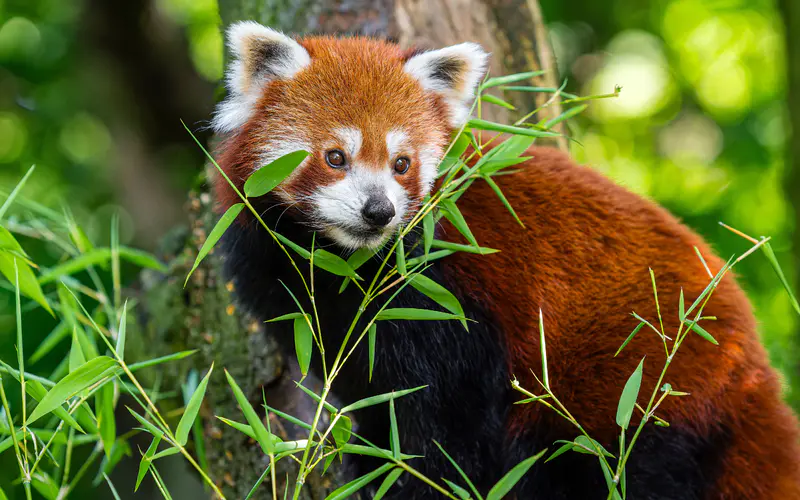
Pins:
x: 584, y: 258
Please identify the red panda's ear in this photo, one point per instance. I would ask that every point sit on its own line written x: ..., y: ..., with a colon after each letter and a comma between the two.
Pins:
x: 453, y: 72
x: 260, y: 54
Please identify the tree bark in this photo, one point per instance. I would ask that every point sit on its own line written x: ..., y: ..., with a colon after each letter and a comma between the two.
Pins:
x: 203, y: 315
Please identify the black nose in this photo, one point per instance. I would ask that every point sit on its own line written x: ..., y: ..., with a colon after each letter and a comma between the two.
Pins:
x: 378, y: 210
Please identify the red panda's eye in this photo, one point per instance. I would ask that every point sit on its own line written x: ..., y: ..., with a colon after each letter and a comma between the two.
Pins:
x: 335, y: 158
x: 401, y: 165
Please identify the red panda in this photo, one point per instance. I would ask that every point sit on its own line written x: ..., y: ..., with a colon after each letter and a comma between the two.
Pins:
x: 376, y: 120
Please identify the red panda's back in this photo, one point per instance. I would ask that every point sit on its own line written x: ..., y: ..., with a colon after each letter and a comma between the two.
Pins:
x: 583, y: 258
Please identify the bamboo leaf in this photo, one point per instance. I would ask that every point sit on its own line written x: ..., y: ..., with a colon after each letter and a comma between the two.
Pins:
x: 332, y: 263
x: 161, y: 360
x: 167, y: 453
x: 458, y: 247
x: 703, y: 333
x: 92, y: 372
x: 264, y: 438
x: 416, y: 315
x: 458, y: 490
x: 353, y: 486
x: 37, y: 391
x: 381, y: 398
x: 773, y: 260
x: 400, y: 254
x: 428, y: 230
x: 268, y: 177
x: 563, y: 449
x: 100, y: 256
x: 630, y: 337
x: 356, y: 260
x: 192, y: 409
x: 28, y: 285
x: 629, y: 394
x: 439, y: 294
x: 146, y: 425
x: 544, y: 90
x: 15, y: 192
x: 105, y: 417
x: 492, y: 184
x: 387, y: 483
x: 213, y: 237
x: 303, y: 343
x: 122, y: 332
x: 373, y: 329
x: 394, y: 432
x: 543, y: 348
x: 512, y: 477
x: 342, y: 430
x: 497, y: 101
x: 454, y: 215
x: 302, y: 252
x: 566, y: 115
x: 492, y: 166
x: 76, y: 357
x: 460, y: 471
x: 509, y: 129
x: 284, y: 317
x: 147, y: 460
x: 505, y: 80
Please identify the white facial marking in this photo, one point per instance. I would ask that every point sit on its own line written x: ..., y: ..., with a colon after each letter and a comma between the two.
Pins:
x: 351, y: 139
x: 396, y: 143
x: 429, y: 158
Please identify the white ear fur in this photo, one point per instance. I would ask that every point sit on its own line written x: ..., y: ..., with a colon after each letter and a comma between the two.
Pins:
x: 454, y: 72
x: 260, y: 54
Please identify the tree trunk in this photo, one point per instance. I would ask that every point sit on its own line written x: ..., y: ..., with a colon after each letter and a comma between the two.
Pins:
x: 202, y: 316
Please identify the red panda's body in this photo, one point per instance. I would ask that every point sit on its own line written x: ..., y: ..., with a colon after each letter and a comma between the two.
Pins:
x: 360, y: 107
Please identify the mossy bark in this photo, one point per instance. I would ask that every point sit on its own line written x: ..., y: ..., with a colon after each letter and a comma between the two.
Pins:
x: 203, y: 315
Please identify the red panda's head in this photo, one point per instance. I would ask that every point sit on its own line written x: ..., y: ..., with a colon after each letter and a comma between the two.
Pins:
x: 375, y: 119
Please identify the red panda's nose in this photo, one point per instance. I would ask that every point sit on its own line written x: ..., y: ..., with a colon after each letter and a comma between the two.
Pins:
x: 378, y: 210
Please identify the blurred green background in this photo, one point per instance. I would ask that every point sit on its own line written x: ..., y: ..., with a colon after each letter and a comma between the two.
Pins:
x: 92, y: 93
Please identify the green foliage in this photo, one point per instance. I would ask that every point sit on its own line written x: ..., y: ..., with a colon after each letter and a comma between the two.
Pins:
x: 707, y: 141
